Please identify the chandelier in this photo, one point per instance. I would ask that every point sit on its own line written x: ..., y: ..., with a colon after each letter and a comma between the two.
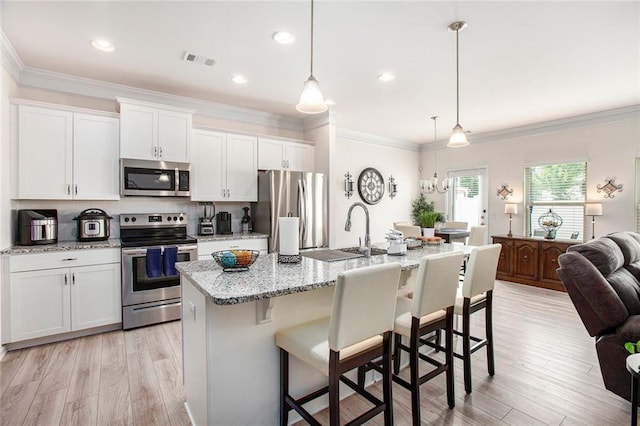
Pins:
x: 432, y: 185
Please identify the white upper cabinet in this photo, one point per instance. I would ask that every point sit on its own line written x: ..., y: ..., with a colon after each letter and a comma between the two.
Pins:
x: 274, y: 154
x: 224, y: 167
x: 154, y: 132
x: 64, y: 155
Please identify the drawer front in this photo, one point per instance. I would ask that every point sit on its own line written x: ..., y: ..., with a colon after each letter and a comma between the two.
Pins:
x: 63, y: 259
x: 207, y: 247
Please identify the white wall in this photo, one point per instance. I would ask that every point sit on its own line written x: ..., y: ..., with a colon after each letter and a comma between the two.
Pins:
x: 609, y: 148
x: 354, y: 156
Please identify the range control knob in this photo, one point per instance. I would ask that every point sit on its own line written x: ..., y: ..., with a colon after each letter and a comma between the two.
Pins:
x: 133, y: 219
x: 175, y: 218
x: 126, y: 219
x: 168, y: 218
x: 181, y: 218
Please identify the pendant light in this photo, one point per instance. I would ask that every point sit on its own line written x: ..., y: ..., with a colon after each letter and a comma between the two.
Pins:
x: 311, y: 99
x: 458, y: 138
x: 431, y: 185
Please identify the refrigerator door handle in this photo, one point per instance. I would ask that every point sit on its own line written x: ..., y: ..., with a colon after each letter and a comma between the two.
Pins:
x: 302, y: 207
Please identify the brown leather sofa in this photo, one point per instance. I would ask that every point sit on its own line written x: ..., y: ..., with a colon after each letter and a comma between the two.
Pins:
x: 602, y: 278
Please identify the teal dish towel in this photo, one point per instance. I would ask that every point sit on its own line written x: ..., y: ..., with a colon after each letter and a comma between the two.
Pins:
x: 169, y: 261
x: 154, y: 262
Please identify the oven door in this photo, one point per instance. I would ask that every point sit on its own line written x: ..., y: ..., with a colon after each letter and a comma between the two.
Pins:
x: 138, y: 287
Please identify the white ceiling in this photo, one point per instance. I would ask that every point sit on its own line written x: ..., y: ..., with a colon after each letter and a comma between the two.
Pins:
x: 520, y: 62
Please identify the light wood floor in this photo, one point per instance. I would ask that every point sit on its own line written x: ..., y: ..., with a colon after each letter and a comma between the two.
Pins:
x: 546, y: 373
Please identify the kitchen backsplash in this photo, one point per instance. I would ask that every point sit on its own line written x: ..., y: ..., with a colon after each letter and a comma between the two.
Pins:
x: 67, y: 210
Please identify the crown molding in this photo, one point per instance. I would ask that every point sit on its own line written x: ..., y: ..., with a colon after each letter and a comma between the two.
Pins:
x: 50, y: 80
x: 315, y: 121
x: 376, y: 140
x: 592, y: 119
x: 10, y: 59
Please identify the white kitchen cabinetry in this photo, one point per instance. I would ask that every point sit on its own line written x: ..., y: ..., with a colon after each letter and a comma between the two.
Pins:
x: 224, y: 167
x: 154, y: 132
x: 205, y: 248
x: 59, y: 292
x: 274, y: 154
x: 65, y: 155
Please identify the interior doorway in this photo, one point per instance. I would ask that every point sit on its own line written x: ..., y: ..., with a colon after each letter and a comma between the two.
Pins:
x: 467, y: 199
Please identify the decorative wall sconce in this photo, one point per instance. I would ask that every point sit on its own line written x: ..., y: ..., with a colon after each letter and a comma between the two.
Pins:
x: 610, y: 187
x: 510, y: 209
x: 393, y: 187
x: 348, y: 185
x: 593, y: 210
x: 504, y: 191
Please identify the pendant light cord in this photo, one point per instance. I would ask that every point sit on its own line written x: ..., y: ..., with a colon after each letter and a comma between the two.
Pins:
x: 457, y: 79
x: 311, y: 37
x: 435, y: 143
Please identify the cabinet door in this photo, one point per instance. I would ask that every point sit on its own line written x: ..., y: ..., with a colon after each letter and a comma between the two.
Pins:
x: 505, y: 265
x: 95, y: 296
x: 271, y: 154
x: 549, y: 253
x: 174, y: 136
x: 526, y: 259
x: 299, y: 157
x: 242, y: 168
x: 138, y: 132
x: 45, y: 153
x: 95, y: 157
x: 40, y: 303
x: 207, y: 170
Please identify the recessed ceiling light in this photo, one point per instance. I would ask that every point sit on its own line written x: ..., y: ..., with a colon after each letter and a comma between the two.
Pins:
x: 283, y: 37
x: 330, y: 102
x: 239, y: 79
x: 103, y: 44
x: 386, y: 76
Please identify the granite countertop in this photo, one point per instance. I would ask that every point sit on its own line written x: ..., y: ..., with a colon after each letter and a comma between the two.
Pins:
x: 62, y: 246
x: 234, y: 236
x: 267, y: 278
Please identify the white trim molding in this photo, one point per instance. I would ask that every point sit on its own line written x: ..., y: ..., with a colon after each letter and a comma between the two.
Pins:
x: 10, y: 59
x: 377, y: 140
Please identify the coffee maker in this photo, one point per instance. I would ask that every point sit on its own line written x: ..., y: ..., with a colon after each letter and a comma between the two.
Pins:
x: 205, y: 225
x: 223, y: 223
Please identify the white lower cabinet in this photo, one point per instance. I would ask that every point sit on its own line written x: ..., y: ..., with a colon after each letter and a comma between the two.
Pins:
x: 46, y: 301
x: 205, y: 248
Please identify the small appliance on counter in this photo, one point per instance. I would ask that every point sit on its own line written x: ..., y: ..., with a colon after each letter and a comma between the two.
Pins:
x: 205, y: 224
x: 397, y: 245
x: 223, y: 223
x: 245, y: 223
x: 93, y: 225
x: 37, y: 227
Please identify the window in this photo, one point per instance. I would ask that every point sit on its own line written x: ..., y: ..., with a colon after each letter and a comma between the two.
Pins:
x: 637, y: 194
x: 560, y: 188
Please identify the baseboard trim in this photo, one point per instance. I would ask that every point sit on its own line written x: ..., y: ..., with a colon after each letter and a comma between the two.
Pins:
x: 60, y: 337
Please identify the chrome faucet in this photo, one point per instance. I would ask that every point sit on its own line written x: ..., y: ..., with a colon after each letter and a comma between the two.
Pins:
x: 367, y: 238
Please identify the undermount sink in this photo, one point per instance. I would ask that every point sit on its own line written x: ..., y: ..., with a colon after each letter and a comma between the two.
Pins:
x: 333, y: 255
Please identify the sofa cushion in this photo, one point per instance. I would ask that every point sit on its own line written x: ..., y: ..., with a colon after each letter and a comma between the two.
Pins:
x: 627, y: 288
x: 629, y: 243
x: 603, y: 253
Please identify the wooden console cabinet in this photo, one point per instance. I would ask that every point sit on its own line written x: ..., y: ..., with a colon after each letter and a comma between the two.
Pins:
x: 531, y: 261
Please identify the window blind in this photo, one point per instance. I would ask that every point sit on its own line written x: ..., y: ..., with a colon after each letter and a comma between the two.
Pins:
x: 560, y: 188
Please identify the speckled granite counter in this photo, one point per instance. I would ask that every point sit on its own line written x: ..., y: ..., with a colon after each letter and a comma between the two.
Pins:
x: 267, y: 278
x: 236, y: 236
x: 62, y: 246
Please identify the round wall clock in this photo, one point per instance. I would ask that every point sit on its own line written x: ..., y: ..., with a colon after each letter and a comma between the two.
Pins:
x: 371, y: 186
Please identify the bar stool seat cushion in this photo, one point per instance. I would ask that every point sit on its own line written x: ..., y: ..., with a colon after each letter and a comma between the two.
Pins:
x: 457, y: 309
x: 309, y: 342
x: 403, y: 316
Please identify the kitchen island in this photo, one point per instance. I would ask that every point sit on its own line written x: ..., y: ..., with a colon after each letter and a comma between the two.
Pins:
x: 229, y: 320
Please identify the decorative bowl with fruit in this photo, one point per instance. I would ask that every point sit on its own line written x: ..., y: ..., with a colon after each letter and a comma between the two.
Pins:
x: 235, y: 260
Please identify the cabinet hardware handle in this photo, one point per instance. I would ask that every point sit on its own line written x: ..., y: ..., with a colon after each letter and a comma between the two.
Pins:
x: 76, y: 189
x: 73, y: 279
x: 65, y: 279
x: 228, y: 194
x: 525, y: 258
x: 69, y: 259
x: 501, y: 254
x: 553, y: 261
x: 284, y: 164
x: 155, y: 151
x: 224, y: 193
x: 68, y: 189
x: 160, y: 152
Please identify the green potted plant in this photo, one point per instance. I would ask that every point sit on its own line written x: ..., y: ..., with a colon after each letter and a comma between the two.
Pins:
x: 424, y: 215
x: 428, y: 220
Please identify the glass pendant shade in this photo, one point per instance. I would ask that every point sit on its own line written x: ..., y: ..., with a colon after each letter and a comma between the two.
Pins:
x: 311, y: 99
x: 458, y: 138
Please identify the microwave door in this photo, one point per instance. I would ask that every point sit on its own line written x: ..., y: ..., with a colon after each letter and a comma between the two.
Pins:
x: 154, y: 182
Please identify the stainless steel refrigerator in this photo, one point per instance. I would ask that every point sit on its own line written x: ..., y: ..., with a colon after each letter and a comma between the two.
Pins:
x: 283, y: 193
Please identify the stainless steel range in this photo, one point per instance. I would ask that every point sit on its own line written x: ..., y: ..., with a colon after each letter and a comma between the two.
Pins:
x: 151, y: 244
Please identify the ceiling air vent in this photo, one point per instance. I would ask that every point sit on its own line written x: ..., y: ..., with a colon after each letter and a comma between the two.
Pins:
x: 198, y: 59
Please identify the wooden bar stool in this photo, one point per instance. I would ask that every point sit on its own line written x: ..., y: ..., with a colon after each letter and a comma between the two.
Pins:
x: 430, y: 309
x: 476, y: 294
x: 358, y: 331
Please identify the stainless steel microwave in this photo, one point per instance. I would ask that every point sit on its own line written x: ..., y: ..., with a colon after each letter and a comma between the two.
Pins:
x: 154, y: 178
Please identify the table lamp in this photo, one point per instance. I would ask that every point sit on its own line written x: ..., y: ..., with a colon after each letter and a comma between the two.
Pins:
x: 510, y: 209
x: 593, y: 210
